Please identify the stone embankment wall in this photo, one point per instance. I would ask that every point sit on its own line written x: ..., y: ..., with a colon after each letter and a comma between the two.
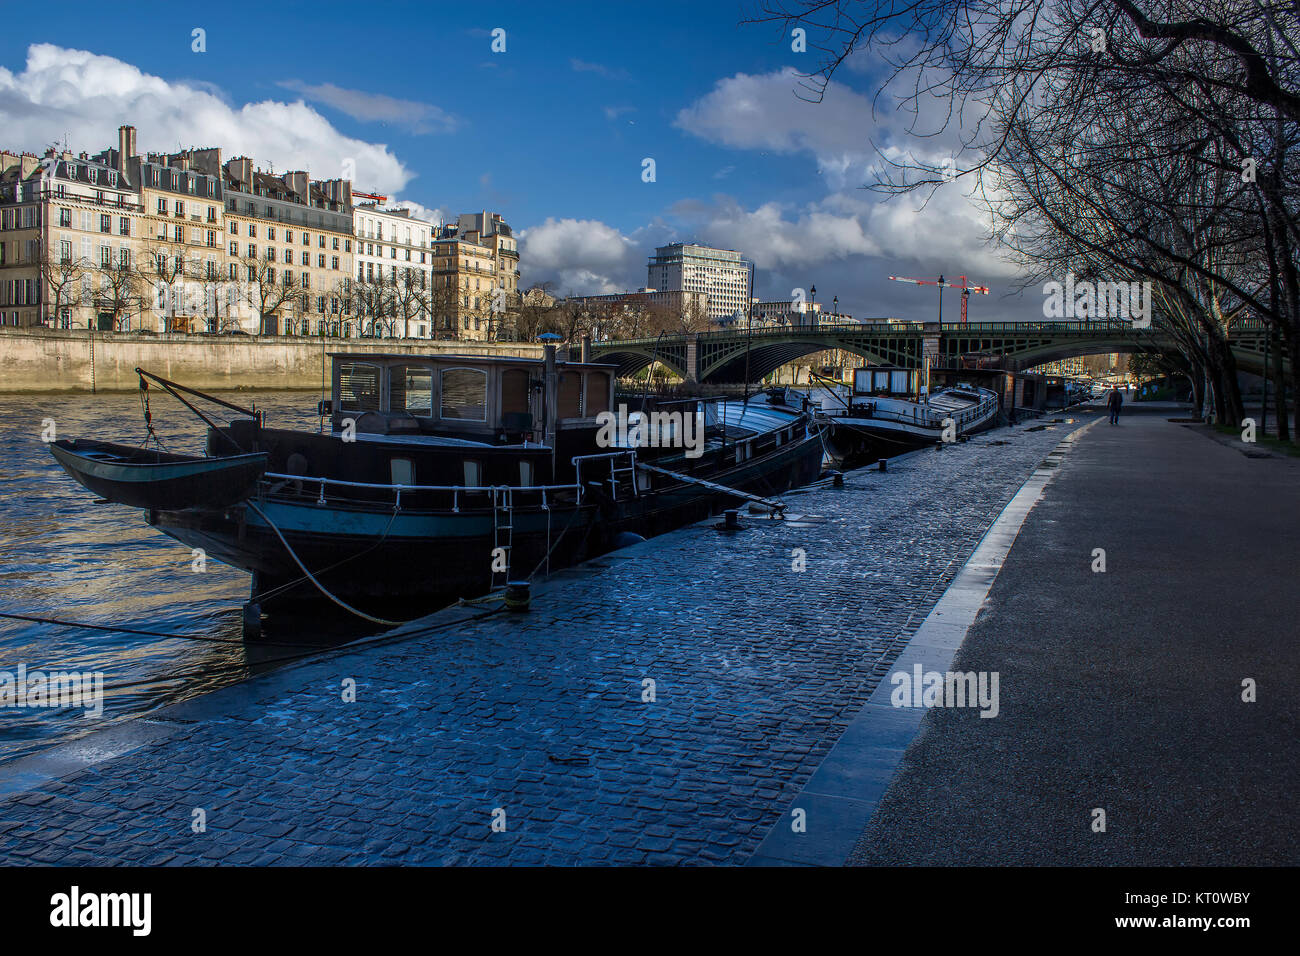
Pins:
x: 54, y: 360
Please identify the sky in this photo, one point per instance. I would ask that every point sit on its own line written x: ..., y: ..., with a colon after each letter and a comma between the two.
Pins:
x: 553, y: 132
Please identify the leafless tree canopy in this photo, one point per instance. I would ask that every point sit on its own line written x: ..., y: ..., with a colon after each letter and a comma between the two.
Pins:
x: 1118, y: 139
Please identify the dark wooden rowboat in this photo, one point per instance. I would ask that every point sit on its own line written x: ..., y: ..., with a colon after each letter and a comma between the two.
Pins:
x: 158, y: 481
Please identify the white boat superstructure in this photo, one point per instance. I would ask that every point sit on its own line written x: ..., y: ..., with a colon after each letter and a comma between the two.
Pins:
x: 963, y: 409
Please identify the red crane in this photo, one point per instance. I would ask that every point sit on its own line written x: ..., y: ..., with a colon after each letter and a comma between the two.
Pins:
x: 374, y: 196
x: 966, y: 290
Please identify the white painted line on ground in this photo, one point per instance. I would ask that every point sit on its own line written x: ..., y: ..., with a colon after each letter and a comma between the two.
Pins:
x: 844, y: 791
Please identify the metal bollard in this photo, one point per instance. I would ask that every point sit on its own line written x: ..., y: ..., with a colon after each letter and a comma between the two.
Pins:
x: 883, y: 464
x: 518, y: 596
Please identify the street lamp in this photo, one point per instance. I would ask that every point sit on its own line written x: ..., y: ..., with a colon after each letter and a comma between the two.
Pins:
x: 813, y: 306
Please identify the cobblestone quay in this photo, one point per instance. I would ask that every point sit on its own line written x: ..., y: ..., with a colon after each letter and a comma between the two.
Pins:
x: 547, y: 723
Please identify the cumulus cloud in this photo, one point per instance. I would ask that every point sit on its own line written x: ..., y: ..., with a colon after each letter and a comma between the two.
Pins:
x: 582, y: 256
x: 87, y: 96
x: 377, y: 108
x: 418, y: 211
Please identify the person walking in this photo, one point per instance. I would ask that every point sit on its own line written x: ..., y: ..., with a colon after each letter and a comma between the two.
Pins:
x: 1113, y: 402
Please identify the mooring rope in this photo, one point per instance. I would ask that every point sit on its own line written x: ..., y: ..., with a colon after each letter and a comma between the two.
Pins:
x: 37, y: 619
x: 320, y: 587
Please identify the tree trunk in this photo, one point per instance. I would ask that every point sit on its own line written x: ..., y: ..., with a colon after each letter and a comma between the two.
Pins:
x: 1279, y: 384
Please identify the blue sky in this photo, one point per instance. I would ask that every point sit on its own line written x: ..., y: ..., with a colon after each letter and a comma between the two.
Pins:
x: 552, y: 133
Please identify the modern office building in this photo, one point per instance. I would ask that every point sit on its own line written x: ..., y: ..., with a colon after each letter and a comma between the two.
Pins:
x: 723, y: 275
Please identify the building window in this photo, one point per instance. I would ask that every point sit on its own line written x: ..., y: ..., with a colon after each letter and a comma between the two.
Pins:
x: 180, y: 208
x: 347, y: 245
x: 320, y: 261
x: 123, y: 226
x: 252, y: 230
x: 234, y: 228
x: 65, y: 251
x: 336, y: 244
x: 93, y: 173
x: 234, y: 248
x: 306, y: 280
x: 306, y: 239
x: 252, y: 250
x: 334, y: 262
x: 288, y: 235
x: 270, y: 232
x: 306, y: 258
x: 105, y: 223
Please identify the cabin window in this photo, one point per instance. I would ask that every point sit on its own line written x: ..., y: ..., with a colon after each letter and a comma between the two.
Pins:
x: 597, y: 394
x: 402, y: 471
x: 514, y: 391
x: 358, y: 387
x: 570, y: 403
x: 410, y: 390
x: 526, y: 474
x: 473, y: 474
x: 464, y: 394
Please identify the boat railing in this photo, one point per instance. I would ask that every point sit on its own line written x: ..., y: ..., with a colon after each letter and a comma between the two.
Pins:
x: 930, y: 417
x: 467, y: 493
x: 593, y: 463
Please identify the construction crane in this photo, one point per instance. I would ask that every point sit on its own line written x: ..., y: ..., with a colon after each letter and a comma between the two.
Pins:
x: 966, y: 291
x: 375, y: 197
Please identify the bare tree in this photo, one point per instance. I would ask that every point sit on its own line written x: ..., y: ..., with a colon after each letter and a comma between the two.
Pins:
x: 267, y: 289
x: 63, y: 278
x: 121, y: 291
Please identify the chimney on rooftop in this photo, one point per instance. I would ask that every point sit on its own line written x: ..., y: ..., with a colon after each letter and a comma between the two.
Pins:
x: 125, y: 147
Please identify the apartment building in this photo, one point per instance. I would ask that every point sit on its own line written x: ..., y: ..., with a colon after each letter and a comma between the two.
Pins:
x: 465, y: 303
x: 65, y: 223
x: 394, y: 271
x: 289, y: 246
x: 723, y: 274
x: 489, y: 229
x: 187, y: 242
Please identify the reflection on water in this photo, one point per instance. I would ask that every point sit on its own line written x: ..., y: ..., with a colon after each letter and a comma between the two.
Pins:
x: 63, y: 556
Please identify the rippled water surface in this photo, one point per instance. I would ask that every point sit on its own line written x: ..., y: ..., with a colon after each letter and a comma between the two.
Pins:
x: 63, y: 556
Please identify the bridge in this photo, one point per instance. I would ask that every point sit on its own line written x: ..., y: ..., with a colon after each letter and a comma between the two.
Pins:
x: 731, y: 355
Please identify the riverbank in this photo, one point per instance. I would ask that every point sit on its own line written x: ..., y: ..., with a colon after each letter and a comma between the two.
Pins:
x: 661, y: 704
x: 58, y: 360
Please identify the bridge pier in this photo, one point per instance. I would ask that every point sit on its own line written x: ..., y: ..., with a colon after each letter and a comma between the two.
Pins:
x: 693, y: 358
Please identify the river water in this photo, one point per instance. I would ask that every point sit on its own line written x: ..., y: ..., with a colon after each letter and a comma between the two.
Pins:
x: 63, y: 556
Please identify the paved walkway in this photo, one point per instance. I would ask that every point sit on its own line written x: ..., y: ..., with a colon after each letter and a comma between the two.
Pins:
x: 546, y: 722
x: 1123, y: 690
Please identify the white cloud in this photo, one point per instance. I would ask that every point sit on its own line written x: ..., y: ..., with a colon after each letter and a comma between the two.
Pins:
x: 582, y: 256
x: 87, y: 96
x: 582, y: 66
x: 378, y: 108
x: 418, y: 211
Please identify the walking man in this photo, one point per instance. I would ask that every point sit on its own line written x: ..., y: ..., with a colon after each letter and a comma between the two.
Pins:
x: 1113, y: 402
